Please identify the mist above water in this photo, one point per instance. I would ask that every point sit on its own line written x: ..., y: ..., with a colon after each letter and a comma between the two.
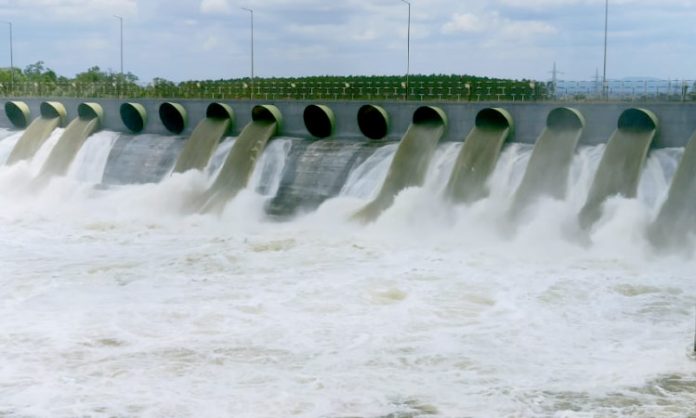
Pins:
x: 117, y: 301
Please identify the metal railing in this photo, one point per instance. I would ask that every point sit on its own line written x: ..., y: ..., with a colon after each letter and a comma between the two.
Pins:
x: 370, y: 89
x: 626, y: 90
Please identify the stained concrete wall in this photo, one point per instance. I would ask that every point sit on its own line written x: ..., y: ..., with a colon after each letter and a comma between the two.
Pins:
x: 677, y: 120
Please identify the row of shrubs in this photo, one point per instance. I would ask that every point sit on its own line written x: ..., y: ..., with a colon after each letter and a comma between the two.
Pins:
x: 418, y: 87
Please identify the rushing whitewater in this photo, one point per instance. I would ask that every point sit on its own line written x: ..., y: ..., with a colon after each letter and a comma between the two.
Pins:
x: 117, y: 302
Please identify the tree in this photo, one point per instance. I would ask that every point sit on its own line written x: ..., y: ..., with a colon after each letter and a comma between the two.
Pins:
x: 38, y: 72
x: 92, y: 75
x: 128, y: 78
x: 34, y: 71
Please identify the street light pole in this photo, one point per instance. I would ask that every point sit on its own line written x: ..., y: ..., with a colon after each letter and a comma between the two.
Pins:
x: 11, y: 60
x: 121, y: 25
x: 121, y: 79
x: 408, y: 47
x: 251, y: 12
x: 605, y: 89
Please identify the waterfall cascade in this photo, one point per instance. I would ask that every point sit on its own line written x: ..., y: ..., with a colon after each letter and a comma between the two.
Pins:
x: 122, y: 298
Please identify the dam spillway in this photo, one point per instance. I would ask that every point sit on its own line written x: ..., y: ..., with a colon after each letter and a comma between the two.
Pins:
x: 429, y: 308
x: 315, y: 173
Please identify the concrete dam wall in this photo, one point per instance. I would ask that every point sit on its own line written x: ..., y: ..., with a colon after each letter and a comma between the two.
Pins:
x: 388, y: 120
x: 326, y: 144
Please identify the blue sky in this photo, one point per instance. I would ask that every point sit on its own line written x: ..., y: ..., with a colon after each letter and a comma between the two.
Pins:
x: 209, y: 39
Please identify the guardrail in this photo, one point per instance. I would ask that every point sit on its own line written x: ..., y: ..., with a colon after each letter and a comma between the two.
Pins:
x: 626, y: 90
x: 458, y: 91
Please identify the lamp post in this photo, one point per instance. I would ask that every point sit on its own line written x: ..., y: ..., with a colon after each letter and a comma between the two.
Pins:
x: 251, y: 13
x: 408, y: 47
x: 694, y: 341
x: 120, y: 81
x: 11, y: 60
x: 605, y: 89
x: 121, y: 27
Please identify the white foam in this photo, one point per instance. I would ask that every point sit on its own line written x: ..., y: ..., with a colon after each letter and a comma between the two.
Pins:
x: 269, y: 171
x: 118, y: 302
x: 90, y: 161
x: 38, y: 160
x: 4, y: 132
x: 509, y: 170
x: 8, y: 140
x: 367, y: 178
x: 441, y: 167
x: 657, y: 176
x: 219, y: 156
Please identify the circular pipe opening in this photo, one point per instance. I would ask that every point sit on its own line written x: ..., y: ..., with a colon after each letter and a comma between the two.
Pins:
x: 173, y: 117
x: 268, y: 113
x: 493, y: 117
x: 50, y: 110
x: 18, y: 113
x: 638, y: 120
x: 219, y: 111
x: 373, y: 121
x: 89, y: 111
x: 430, y: 114
x: 319, y: 120
x: 133, y: 116
x: 565, y: 118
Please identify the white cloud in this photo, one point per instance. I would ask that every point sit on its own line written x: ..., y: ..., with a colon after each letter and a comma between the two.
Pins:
x: 539, y: 4
x: 497, y: 26
x: 215, y: 6
x: 368, y: 35
x: 526, y: 29
x: 180, y: 39
x: 210, y: 43
x: 556, y: 4
x: 72, y: 10
x: 464, y: 22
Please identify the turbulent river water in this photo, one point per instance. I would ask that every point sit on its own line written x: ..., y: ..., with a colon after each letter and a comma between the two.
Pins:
x: 118, y: 301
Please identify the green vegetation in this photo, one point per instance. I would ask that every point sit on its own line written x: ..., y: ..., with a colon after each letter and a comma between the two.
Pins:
x: 38, y: 80
x: 39, y: 73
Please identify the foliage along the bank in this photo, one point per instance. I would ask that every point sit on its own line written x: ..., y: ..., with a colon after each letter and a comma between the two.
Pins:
x: 38, y: 80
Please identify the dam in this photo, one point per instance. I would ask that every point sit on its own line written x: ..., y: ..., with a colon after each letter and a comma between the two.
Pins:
x: 334, y: 139
x: 376, y: 259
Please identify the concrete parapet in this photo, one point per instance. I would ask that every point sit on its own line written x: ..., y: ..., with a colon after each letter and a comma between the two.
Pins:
x: 677, y: 120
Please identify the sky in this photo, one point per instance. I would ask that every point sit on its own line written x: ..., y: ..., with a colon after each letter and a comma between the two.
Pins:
x: 210, y: 39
